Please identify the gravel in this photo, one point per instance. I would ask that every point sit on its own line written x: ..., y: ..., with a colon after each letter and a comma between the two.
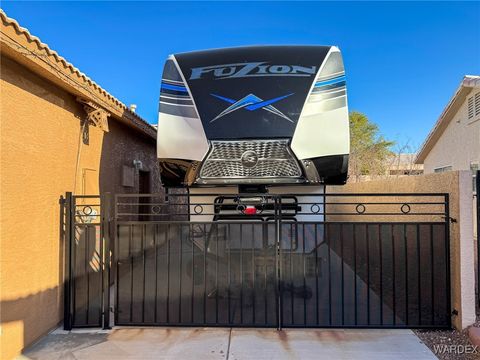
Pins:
x: 440, y: 338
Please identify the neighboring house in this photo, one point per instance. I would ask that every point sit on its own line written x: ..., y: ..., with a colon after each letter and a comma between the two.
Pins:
x: 60, y: 132
x: 403, y: 164
x: 454, y: 142
x: 397, y: 165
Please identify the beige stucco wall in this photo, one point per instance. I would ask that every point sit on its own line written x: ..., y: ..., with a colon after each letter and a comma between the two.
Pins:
x: 121, y: 148
x: 40, y: 149
x: 459, y: 144
x: 458, y: 185
x: 40, y: 128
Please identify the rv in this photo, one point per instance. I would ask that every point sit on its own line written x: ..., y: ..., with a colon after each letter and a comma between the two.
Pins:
x: 253, y: 120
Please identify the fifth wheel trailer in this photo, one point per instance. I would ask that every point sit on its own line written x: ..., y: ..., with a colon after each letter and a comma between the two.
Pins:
x: 254, y: 119
x: 253, y: 135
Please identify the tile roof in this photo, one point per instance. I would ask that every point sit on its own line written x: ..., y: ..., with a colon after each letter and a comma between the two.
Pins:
x: 20, y: 43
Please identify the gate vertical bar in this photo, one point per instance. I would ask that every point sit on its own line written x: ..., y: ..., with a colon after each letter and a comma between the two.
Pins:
x: 241, y: 274
x: 73, y: 254
x: 253, y: 272
x: 116, y: 246
x: 447, y: 257
x: 66, y: 206
x: 73, y: 260
x: 304, y: 278
x: 278, y: 259
x: 105, y: 209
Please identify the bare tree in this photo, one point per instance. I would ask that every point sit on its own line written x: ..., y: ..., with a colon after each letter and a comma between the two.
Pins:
x: 402, y: 161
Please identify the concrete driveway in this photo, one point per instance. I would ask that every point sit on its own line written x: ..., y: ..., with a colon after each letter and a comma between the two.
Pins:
x: 225, y: 343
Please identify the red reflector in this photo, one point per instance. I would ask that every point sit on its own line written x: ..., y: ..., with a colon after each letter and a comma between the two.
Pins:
x: 250, y: 210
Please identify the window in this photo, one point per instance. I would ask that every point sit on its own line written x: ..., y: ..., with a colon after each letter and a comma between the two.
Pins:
x: 443, y: 169
x: 470, y: 107
x: 477, y: 104
x: 473, y: 106
x: 474, y: 168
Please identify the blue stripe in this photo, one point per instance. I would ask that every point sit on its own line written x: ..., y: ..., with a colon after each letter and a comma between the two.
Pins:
x: 331, y: 81
x: 173, y: 87
x: 230, y: 101
x: 323, y: 88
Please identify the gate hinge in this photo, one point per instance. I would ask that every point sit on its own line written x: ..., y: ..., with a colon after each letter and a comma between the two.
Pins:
x: 452, y: 220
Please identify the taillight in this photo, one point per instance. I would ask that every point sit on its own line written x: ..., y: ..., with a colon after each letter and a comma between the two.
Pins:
x: 250, y: 210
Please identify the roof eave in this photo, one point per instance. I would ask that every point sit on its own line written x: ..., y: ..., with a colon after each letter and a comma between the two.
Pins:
x: 466, y: 85
x: 18, y: 44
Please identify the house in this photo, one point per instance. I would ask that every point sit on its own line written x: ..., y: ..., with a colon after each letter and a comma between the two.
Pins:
x: 394, y: 166
x: 403, y: 164
x: 60, y: 132
x: 454, y: 142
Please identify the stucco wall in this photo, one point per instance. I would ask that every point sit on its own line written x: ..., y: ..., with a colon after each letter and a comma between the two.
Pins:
x: 458, y: 185
x: 459, y: 144
x: 121, y: 148
x: 41, y: 146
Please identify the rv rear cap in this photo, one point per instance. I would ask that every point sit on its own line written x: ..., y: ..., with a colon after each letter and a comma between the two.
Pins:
x: 254, y: 115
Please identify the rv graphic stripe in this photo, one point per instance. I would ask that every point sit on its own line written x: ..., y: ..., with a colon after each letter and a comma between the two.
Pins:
x: 179, y: 101
x: 174, y: 82
x: 329, y: 90
x: 173, y: 87
x: 330, y: 82
x: 175, y: 98
x: 326, y: 96
x: 330, y: 76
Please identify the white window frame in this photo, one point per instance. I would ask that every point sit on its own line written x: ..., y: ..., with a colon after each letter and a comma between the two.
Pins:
x: 442, y: 169
x: 474, y: 166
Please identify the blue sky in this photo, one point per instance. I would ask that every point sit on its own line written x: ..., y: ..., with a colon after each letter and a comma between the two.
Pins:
x: 403, y: 60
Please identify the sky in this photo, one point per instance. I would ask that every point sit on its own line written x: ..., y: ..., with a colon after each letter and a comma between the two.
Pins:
x: 403, y: 60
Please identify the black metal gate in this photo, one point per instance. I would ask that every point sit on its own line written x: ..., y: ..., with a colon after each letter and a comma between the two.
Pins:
x: 329, y: 260
x: 85, y: 231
